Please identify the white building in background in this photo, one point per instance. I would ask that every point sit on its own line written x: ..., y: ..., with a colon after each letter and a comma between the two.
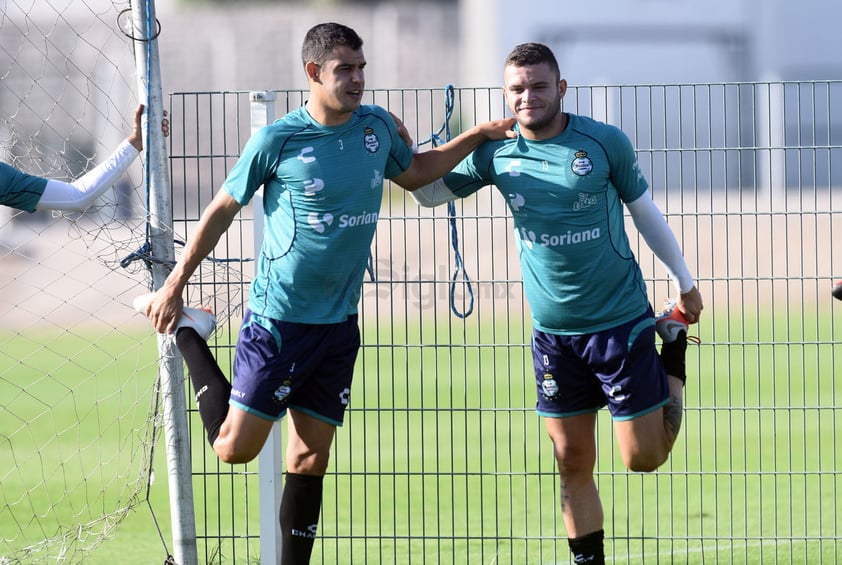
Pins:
x: 687, y: 42
x: 657, y: 41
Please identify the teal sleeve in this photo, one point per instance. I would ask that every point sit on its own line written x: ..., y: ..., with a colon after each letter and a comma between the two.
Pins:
x: 400, y: 154
x: 255, y: 166
x: 20, y: 190
x: 467, y: 177
x: 626, y: 175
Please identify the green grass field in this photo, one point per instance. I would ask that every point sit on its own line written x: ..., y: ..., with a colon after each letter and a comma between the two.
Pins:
x: 442, y: 459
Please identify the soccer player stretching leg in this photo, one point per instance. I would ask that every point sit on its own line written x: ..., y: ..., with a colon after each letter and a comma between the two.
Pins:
x: 567, y: 179
x: 322, y: 167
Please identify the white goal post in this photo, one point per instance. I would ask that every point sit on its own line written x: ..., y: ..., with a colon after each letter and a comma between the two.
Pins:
x: 162, y: 247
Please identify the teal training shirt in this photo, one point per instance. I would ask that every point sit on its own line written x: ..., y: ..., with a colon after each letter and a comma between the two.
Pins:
x: 323, y: 187
x: 20, y: 190
x: 566, y: 195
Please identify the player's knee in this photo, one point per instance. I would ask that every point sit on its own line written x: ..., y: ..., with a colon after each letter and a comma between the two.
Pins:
x: 573, y: 461
x: 230, y: 452
x: 308, y: 463
x: 645, y: 461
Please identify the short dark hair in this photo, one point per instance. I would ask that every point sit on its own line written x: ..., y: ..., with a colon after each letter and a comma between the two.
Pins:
x: 322, y: 39
x: 527, y: 54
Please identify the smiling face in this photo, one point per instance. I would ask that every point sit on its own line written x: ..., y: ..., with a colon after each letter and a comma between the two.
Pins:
x: 533, y: 94
x: 336, y: 85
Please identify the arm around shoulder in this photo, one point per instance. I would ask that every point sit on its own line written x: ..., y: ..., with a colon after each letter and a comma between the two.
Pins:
x: 430, y: 165
x: 433, y: 194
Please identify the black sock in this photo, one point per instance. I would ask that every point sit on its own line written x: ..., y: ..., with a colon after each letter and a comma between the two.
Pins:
x: 300, y: 507
x: 212, y: 388
x: 588, y: 548
x: 672, y: 356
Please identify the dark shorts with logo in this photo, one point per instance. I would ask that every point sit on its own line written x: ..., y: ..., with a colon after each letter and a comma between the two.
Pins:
x: 619, y: 367
x: 306, y: 367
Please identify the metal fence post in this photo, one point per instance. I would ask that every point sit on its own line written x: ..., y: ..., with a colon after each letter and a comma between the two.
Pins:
x: 270, y: 462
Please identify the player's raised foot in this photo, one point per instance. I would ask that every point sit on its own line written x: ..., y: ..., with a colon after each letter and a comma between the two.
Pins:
x: 837, y: 290
x: 200, y: 319
x: 670, y: 322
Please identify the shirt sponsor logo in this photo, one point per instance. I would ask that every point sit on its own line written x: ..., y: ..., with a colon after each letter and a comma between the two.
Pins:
x: 585, y: 201
x: 302, y: 155
x: 513, y: 168
x: 530, y: 239
x: 364, y: 219
x: 321, y: 223
x: 312, y: 186
x: 516, y: 201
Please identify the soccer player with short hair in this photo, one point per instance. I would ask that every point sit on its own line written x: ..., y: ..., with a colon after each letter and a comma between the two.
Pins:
x: 567, y: 179
x: 29, y: 192
x: 322, y: 168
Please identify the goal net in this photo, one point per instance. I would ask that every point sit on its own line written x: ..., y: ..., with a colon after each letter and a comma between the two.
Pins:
x: 78, y: 403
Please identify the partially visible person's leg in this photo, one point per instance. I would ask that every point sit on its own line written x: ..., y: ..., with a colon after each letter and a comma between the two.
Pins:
x: 308, y: 452
x: 211, y: 387
x: 672, y: 327
x: 235, y: 435
x: 644, y: 442
x: 308, y: 443
x: 241, y: 436
x: 647, y: 409
x: 569, y: 396
x: 575, y: 452
x: 321, y: 386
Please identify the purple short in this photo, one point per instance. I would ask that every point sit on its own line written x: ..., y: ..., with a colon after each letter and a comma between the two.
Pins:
x: 620, y: 367
x: 306, y: 367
